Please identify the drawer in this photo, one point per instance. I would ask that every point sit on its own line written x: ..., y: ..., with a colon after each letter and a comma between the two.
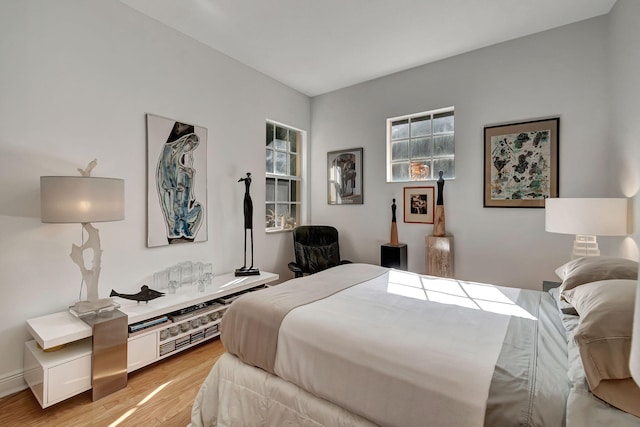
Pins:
x: 68, y: 379
x: 142, y: 351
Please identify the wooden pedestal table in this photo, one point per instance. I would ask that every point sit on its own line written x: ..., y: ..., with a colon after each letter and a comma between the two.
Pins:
x: 439, y: 254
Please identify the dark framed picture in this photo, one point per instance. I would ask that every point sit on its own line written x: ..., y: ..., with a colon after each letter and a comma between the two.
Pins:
x: 344, y: 177
x: 419, y: 204
x: 521, y: 163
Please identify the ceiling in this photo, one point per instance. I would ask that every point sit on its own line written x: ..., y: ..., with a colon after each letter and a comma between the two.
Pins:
x: 317, y: 46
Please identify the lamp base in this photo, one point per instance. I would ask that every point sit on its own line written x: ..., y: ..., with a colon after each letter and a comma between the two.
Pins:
x: 585, y: 246
x: 89, y: 308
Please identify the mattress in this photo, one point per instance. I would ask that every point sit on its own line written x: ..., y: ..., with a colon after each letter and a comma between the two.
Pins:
x: 391, y: 348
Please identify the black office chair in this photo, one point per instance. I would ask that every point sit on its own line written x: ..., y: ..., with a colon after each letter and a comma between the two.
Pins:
x: 316, y: 248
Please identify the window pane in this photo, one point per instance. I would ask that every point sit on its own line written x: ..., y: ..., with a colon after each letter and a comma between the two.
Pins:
x: 281, y: 133
x: 443, y: 122
x: 293, y: 165
x: 294, y: 137
x: 281, y: 210
x: 447, y: 166
x: 295, y: 191
x: 400, y: 150
x: 288, y: 218
x: 420, y: 148
x: 295, y: 215
x: 443, y: 145
x: 281, y: 163
x: 270, y: 194
x: 420, y: 126
x: 269, y: 161
x: 271, y: 215
x: 270, y: 129
x: 400, y: 129
x: 282, y: 190
x: 400, y: 171
x: 420, y: 171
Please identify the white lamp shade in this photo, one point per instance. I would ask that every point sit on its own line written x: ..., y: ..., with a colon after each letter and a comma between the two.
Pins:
x: 81, y: 199
x: 594, y: 217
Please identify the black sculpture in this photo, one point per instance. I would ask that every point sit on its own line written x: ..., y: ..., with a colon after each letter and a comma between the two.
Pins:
x: 393, y: 211
x: 248, y: 225
x: 440, y: 201
x: 146, y: 294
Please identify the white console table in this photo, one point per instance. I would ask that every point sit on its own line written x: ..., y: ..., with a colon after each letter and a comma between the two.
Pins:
x: 54, y: 376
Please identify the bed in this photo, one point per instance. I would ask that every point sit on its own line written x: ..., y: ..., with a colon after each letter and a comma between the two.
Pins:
x: 363, y: 345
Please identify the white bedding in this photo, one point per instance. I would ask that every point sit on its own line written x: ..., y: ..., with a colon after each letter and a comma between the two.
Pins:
x: 238, y: 395
x: 385, y: 337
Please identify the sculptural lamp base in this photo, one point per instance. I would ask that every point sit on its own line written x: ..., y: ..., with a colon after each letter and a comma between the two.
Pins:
x: 90, y: 308
x: 247, y: 271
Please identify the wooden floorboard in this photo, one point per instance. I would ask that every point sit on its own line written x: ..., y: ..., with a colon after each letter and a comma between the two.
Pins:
x: 158, y: 395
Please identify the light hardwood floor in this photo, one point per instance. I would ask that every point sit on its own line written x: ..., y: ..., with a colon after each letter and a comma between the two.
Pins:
x: 158, y: 395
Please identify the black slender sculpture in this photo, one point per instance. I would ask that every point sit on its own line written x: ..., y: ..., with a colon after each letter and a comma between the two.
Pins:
x: 248, y: 225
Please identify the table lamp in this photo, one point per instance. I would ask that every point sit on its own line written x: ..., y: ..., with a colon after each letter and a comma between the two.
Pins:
x: 586, y: 218
x: 84, y: 199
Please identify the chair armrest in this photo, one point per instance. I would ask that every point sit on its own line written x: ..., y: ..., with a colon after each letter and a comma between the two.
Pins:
x: 295, y: 268
x: 345, y: 261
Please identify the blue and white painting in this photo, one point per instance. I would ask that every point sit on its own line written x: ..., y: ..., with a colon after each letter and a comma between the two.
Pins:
x: 177, y: 177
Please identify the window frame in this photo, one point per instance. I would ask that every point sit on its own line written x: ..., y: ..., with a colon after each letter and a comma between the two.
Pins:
x: 301, y: 178
x: 433, y: 174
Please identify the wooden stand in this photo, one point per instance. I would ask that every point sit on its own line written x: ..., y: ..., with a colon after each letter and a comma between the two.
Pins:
x: 439, y: 252
x: 394, y: 256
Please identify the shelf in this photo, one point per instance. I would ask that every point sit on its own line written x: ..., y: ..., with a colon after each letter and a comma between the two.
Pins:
x: 57, y: 329
x: 188, y: 295
x: 55, y: 376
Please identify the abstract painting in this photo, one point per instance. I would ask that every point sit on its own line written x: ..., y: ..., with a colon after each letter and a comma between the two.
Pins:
x: 176, y: 182
x: 521, y: 163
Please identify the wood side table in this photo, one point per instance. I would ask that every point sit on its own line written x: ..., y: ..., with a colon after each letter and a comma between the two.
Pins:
x: 439, y: 256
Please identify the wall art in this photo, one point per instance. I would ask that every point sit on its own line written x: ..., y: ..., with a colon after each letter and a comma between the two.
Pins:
x: 344, y: 177
x: 418, y: 204
x: 521, y: 163
x: 176, y: 182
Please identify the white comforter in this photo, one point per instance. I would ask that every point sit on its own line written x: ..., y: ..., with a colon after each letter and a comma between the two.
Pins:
x: 417, y: 350
x: 420, y: 349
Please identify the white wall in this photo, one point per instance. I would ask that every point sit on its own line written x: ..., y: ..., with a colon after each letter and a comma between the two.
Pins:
x: 625, y: 110
x: 76, y: 80
x: 563, y: 72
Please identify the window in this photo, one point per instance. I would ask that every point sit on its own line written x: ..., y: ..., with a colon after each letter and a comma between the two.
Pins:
x: 283, y: 177
x: 420, y: 145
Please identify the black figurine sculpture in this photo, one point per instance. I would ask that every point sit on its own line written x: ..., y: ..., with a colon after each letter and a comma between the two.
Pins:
x: 248, y: 225
x: 439, y: 228
x: 394, y: 227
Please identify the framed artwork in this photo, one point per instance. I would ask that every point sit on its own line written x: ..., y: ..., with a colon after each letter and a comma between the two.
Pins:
x: 419, y: 204
x: 176, y: 182
x: 521, y: 163
x: 344, y: 177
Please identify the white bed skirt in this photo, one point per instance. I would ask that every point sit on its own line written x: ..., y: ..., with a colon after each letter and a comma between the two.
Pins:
x: 235, y: 394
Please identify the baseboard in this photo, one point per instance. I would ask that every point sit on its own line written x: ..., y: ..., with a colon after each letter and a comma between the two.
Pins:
x: 12, y: 383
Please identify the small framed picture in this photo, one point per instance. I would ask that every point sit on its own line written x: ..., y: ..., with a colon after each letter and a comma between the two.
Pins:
x: 521, y: 163
x: 344, y: 177
x: 419, y: 204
